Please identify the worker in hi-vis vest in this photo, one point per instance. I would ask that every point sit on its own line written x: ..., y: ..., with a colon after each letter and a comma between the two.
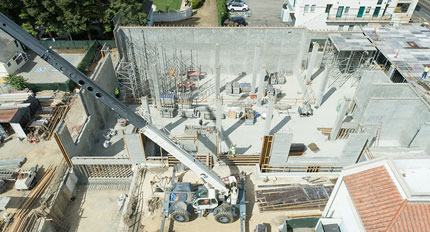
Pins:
x: 426, y: 70
x: 233, y: 150
x: 116, y: 92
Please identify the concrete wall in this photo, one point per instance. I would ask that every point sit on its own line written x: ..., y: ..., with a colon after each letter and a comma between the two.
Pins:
x: 280, y: 50
x: 99, y: 115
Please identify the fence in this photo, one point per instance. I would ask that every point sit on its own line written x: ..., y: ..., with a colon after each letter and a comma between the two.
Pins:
x: 75, y: 44
x: 173, y: 16
x: 89, y: 56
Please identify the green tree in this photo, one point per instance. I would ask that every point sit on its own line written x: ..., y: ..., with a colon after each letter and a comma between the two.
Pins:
x: 16, y: 82
x: 131, y: 11
x: 12, y: 9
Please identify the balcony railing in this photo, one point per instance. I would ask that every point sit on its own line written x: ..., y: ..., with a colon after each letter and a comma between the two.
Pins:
x: 354, y: 18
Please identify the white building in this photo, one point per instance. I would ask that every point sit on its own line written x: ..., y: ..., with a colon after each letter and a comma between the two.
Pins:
x: 380, y: 195
x: 12, y: 55
x: 344, y: 15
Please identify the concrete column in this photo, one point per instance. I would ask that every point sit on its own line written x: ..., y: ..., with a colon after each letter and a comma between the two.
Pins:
x: 391, y: 71
x: 269, y: 115
x: 312, y: 61
x: 257, y: 53
x: 145, y: 109
x: 156, y: 86
x: 260, y: 94
x: 218, y: 113
x: 217, y: 72
x: 323, y: 85
x: 162, y: 67
x: 339, y: 119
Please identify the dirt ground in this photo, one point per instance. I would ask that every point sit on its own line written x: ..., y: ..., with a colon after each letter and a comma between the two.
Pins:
x: 152, y: 221
x: 205, y: 16
x: 95, y: 210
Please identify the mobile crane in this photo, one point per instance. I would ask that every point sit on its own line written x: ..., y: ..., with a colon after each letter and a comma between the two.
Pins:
x: 217, y: 197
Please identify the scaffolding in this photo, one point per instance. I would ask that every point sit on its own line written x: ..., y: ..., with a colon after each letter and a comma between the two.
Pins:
x: 149, y: 69
x: 347, y: 62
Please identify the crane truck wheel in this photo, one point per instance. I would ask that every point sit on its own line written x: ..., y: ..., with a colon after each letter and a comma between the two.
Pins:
x: 224, y: 217
x: 181, y: 216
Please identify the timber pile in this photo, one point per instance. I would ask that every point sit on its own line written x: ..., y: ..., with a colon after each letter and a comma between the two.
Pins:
x: 239, y: 160
x: 206, y: 159
x: 22, y: 215
x: 290, y: 197
x: 55, y: 106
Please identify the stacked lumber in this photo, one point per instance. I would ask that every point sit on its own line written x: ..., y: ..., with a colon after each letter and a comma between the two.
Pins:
x: 239, y: 160
x: 22, y: 215
x: 54, y: 107
x: 171, y: 160
x: 291, y: 197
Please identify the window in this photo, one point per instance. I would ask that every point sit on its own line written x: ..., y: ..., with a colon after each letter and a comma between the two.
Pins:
x: 379, y: 2
x: 8, y: 64
x: 361, y: 11
x: 347, y: 10
x: 368, y: 10
x: 313, y: 8
x: 351, y: 28
x: 16, y: 43
x: 328, y: 7
x: 376, y: 12
x: 306, y: 9
x: 340, y: 28
x: 339, y: 12
x: 402, y: 8
x: 18, y: 60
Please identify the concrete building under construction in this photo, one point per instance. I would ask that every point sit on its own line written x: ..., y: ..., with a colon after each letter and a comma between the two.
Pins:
x: 283, y: 109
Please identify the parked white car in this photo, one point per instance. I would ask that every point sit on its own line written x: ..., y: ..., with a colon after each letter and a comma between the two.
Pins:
x: 238, y: 6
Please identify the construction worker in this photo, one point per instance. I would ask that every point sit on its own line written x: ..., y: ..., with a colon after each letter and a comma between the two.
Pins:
x: 116, y: 92
x: 233, y: 150
x: 201, y: 122
x: 426, y: 70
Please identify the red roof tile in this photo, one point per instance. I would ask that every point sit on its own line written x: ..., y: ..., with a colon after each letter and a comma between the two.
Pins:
x: 413, y: 217
x: 375, y: 197
x: 380, y: 205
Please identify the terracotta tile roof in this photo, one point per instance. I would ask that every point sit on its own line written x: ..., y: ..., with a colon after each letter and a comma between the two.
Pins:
x: 375, y: 197
x: 413, y: 217
x: 380, y: 205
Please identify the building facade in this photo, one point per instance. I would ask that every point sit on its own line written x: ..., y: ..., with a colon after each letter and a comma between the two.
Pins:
x: 12, y: 55
x: 345, y: 15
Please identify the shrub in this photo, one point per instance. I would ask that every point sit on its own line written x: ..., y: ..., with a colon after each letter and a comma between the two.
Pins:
x: 197, y: 3
x: 16, y: 82
x: 222, y: 11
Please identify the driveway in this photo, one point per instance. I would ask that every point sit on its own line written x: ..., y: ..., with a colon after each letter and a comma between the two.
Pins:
x: 205, y: 16
x: 265, y: 13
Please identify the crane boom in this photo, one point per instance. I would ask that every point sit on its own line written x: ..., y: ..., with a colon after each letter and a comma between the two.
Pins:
x: 149, y: 130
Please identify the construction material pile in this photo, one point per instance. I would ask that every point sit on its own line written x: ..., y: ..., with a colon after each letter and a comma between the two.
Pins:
x: 292, y: 196
x: 53, y: 108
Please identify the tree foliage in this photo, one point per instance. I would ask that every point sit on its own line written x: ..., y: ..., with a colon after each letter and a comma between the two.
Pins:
x: 16, y: 82
x: 72, y: 17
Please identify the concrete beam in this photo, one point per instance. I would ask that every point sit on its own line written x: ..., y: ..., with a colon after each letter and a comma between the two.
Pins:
x: 269, y: 115
x: 257, y: 54
x: 323, y: 85
x: 312, y: 61
x: 260, y: 94
x: 280, y: 149
x: 339, y: 119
